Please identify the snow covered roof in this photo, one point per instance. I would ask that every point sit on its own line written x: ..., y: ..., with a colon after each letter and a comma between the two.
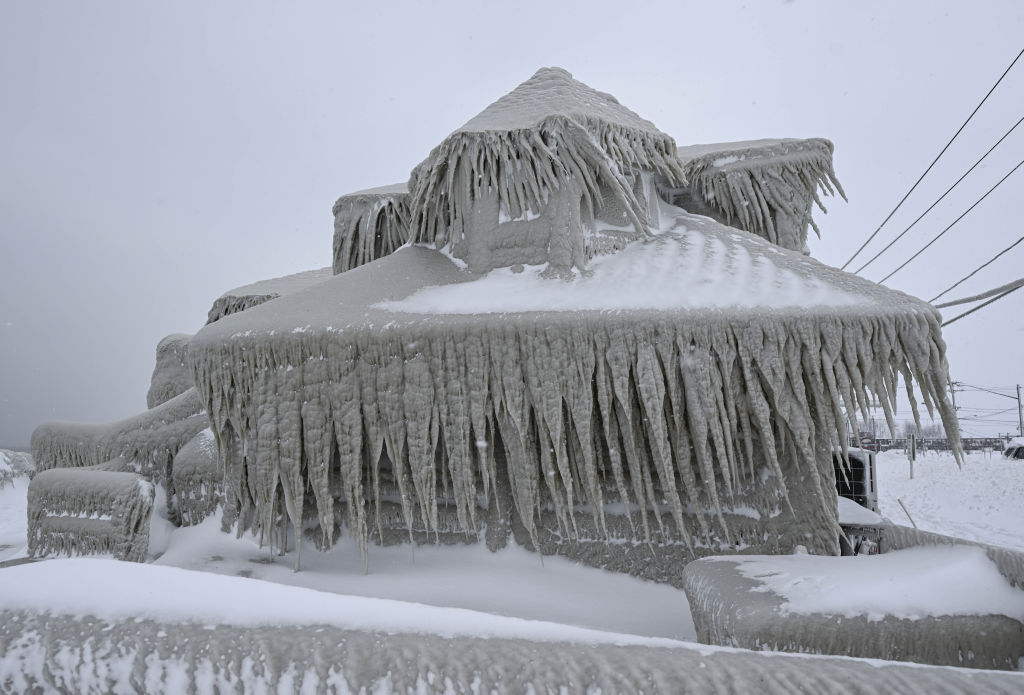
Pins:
x: 548, y: 130
x: 697, y: 265
x: 253, y: 294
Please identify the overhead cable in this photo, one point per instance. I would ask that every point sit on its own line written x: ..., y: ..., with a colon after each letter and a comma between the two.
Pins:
x: 975, y: 271
x: 948, y: 190
x: 937, y: 157
x: 981, y: 306
x: 951, y: 224
x: 984, y: 295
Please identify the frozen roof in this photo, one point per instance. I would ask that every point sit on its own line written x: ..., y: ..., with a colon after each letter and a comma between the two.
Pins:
x: 369, y: 224
x: 697, y: 266
x: 248, y: 296
x: 752, y: 182
x: 286, y: 284
x: 554, y: 92
x: 550, y: 131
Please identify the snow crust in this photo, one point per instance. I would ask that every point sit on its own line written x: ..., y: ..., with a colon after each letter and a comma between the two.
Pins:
x: 113, y: 591
x: 911, y: 583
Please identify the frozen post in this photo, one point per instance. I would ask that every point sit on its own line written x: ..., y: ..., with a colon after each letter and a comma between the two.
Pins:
x: 912, y: 453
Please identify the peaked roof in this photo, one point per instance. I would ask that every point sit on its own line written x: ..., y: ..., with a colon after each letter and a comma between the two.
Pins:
x: 553, y: 92
x: 548, y: 132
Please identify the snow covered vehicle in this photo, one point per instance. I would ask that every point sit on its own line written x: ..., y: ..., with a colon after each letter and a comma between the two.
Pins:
x: 1015, y: 449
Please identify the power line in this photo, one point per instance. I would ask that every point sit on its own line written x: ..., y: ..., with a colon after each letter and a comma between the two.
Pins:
x: 975, y: 271
x: 940, y: 234
x: 984, y: 295
x: 981, y: 388
x: 982, y: 306
x: 937, y: 157
x: 948, y: 190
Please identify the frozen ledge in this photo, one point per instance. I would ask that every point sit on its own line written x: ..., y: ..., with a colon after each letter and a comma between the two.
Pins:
x: 54, y: 651
x: 908, y: 605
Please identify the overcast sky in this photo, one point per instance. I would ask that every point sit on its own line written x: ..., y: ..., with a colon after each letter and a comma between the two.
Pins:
x: 153, y: 157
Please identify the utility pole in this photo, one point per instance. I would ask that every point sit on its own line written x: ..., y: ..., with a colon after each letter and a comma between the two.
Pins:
x: 1020, y: 414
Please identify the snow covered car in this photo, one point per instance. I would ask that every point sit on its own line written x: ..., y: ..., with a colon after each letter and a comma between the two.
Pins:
x: 1014, y: 450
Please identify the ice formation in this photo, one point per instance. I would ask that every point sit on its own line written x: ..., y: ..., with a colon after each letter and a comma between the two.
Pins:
x: 634, y: 437
x: 148, y: 440
x: 171, y: 376
x: 196, y: 479
x: 80, y: 511
x: 56, y: 651
x: 530, y: 178
x: 369, y: 225
x: 572, y: 349
x: 766, y: 187
x: 14, y: 464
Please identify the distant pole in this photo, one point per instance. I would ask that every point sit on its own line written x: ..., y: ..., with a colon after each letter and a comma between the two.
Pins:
x: 1020, y: 415
x: 912, y: 454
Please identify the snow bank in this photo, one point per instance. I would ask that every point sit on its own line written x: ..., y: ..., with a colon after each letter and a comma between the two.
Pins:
x: 911, y: 583
x: 113, y: 591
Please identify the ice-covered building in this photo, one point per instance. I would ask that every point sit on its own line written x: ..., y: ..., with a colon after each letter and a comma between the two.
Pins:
x: 565, y: 332
x: 562, y: 355
x: 551, y: 334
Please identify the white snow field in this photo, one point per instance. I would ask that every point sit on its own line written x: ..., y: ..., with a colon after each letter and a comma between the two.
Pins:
x: 982, y: 502
x: 446, y: 592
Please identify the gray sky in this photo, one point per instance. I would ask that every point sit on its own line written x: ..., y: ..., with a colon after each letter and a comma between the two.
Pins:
x: 153, y: 157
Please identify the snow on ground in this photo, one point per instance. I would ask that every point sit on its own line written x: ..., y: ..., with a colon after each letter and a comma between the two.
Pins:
x: 512, y: 582
x: 458, y: 588
x: 982, y: 502
x: 115, y: 590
